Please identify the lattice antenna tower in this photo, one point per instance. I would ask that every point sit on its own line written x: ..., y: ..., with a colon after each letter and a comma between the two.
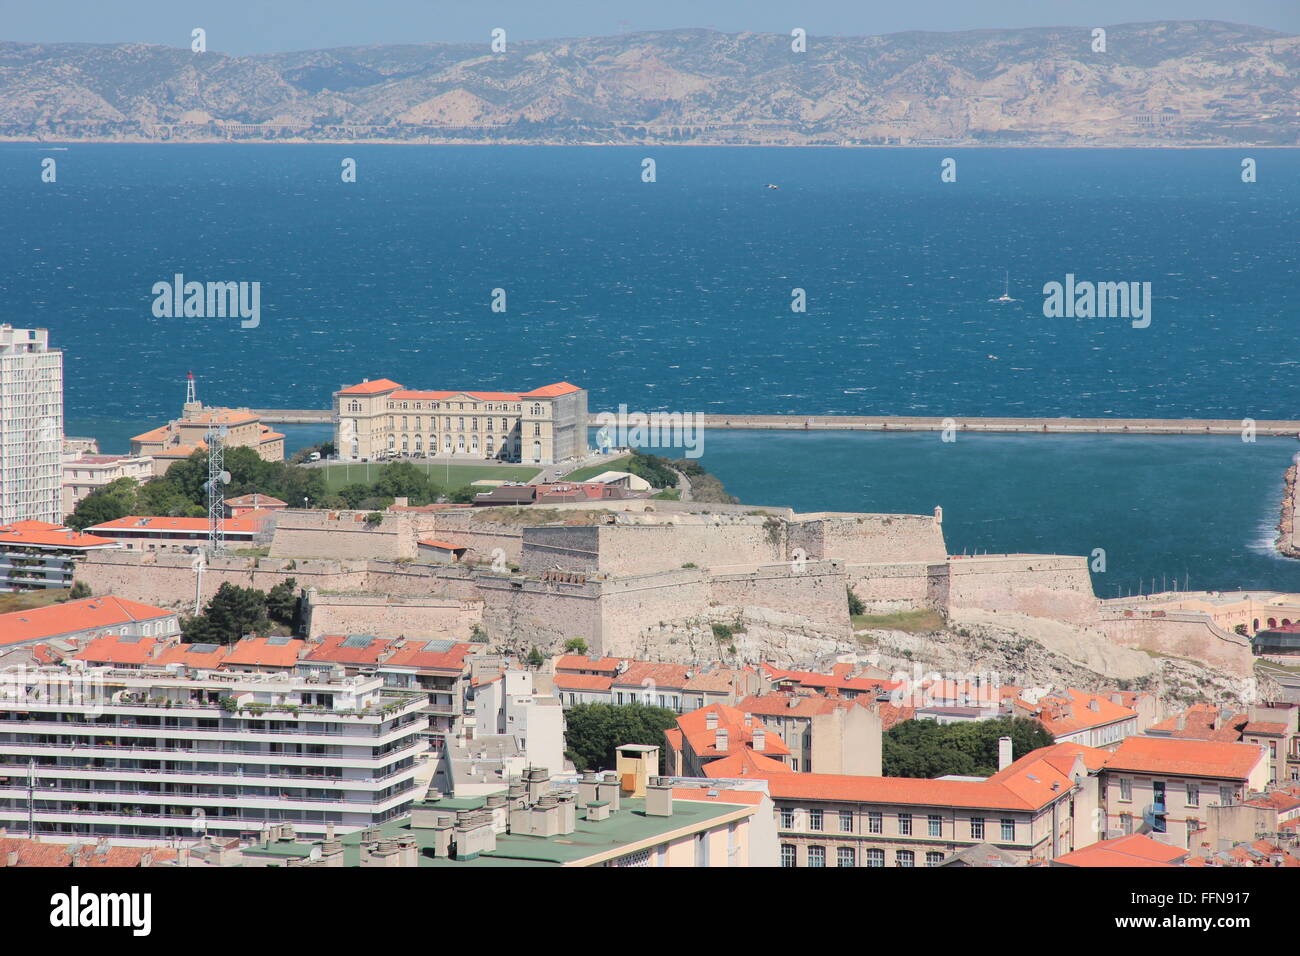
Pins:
x: 218, y: 478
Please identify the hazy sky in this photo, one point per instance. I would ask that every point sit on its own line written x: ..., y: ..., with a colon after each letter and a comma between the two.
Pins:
x: 256, y: 26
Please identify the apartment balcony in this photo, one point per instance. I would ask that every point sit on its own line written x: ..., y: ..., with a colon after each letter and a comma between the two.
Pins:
x: 126, y: 727
x: 114, y: 752
x: 1154, y: 816
x: 17, y: 774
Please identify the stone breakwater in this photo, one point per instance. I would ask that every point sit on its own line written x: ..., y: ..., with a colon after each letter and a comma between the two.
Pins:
x: 915, y: 423
x: 1286, y: 543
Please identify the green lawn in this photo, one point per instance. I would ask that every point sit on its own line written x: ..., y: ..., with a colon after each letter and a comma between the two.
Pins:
x: 582, y: 474
x: 914, y: 622
x: 446, y: 476
x: 27, y: 600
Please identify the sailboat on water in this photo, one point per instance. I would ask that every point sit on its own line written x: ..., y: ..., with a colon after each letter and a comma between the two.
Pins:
x: 1006, y: 289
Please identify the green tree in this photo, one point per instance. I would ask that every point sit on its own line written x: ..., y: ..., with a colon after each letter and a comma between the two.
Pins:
x: 594, y: 731
x: 282, y: 603
x: 230, y: 614
x: 115, y: 500
x: 925, y: 748
x: 856, y: 606
x: 80, y: 589
x: 535, y: 658
x: 575, y: 645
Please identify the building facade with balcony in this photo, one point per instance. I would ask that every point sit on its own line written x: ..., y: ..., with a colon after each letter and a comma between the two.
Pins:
x: 35, y: 555
x: 150, y: 754
x: 31, y: 426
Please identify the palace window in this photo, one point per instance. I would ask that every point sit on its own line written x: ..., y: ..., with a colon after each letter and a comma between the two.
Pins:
x: 875, y: 857
x: 846, y: 856
x: 905, y: 824
x: 788, y: 854
x: 905, y: 858
x: 817, y: 856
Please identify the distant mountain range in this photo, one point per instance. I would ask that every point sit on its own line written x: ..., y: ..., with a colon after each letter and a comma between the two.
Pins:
x: 1165, y: 83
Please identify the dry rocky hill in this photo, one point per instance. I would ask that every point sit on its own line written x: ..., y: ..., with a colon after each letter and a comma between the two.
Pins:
x: 1164, y: 83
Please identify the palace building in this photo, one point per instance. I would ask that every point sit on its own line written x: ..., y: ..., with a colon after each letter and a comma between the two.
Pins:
x: 382, y: 419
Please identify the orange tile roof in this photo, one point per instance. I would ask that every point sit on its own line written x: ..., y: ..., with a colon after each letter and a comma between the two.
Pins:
x: 707, y: 795
x: 415, y: 655
x: 1187, y: 758
x: 579, y: 662
x: 1135, y: 849
x: 259, y: 652
x: 890, y: 714
x: 331, y: 649
x: 1198, y: 724
x: 399, y: 393
x: 36, y: 853
x: 187, y: 655
x: 158, y: 523
x: 256, y: 500
x: 744, y: 763
x: 597, y: 682
x: 1073, y: 711
x: 53, y: 537
x: 740, y: 733
x: 1273, y: 800
x: 916, y: 791
x: 1266, y: 728
x: 551, y: 391
x: 444, y: 545
x: 219, y: 416
x: 32, y: 525
x: 838, y: 680
x: 154, y: 434
x: 117, y: 650
x: 779, y: 705
x: 370, y: 388
x: 669, y: 676
x: 70, y: 617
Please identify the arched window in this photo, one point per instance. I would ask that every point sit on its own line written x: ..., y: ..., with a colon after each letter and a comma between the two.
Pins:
x: 537, y: 409
x: 392, y: 442
x: 537, y: 451
x: 537, y: 428
x: 460, y: 442
x: 403, y: 444
x: 446, y: 444
x: 418, y: 445
x: 354, y: 406
x: 473, y: 443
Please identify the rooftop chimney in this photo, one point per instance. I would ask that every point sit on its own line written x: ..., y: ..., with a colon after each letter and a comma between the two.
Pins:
x: 1180, y: 723
x: 1094, y: 705
x: 711, y: 720
x: 1004, y: 752
x: 760, y: 740
x: 659, y: 797
x: 720, y: 742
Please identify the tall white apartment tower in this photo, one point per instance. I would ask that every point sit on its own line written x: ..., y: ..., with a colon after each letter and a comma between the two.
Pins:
x: 31, y: 426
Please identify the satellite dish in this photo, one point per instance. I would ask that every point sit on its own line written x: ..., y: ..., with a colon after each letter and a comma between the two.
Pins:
x: 225, y: 477
x: 315, y: 853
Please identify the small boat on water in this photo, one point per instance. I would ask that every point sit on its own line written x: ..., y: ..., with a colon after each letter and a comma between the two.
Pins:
x: 1006, y: 289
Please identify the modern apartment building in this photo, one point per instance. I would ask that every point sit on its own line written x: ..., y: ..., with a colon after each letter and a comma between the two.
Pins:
x: 31, y: 426
x: 383, y: 419
x: 153, y: 753
x: 36, y: 554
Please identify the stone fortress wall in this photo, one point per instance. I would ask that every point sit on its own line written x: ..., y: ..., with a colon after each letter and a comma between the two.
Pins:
x: 616, y: 573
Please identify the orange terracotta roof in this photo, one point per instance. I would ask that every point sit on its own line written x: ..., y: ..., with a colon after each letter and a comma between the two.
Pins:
x: 669, y: 676
x: 719, y: 680
x: 188, y: 655
x: 32, y: 525
x: 154, y: 434
x: 890, y: 714
x: 1265, y: 728
x: 331, y: 649
x: 1199, y: 724
x: 444, y: 545
x: 551, y: 391
x: 219, y: 416
x: 744, y: 763
x: 245, y: 524
x: 1280, y: 800
x: 1074, y: 711
x: 70, y: 617
x: 415, y: 655
x: 707, y: 795
x: 53, y: 537
x: 740, y: 733
x: 1187, y: 758
x: 256, y: 500
x: 117, y: 650
x: 259, y: 652
x: 779, y: 705
x: 840, y: 680
x: 579, y: 662
x: 37, y: 853
x: 1135, y: 849
x: 595, y: 682
x: 902, y: 790
x: 370, y: 388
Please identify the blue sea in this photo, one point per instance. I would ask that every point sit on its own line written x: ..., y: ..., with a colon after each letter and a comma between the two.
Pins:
x: 676, y: 295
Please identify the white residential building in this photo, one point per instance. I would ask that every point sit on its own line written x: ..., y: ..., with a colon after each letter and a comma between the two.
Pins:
x: 31, y: 427
x: 150, y: 754
x: 510, y: 705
